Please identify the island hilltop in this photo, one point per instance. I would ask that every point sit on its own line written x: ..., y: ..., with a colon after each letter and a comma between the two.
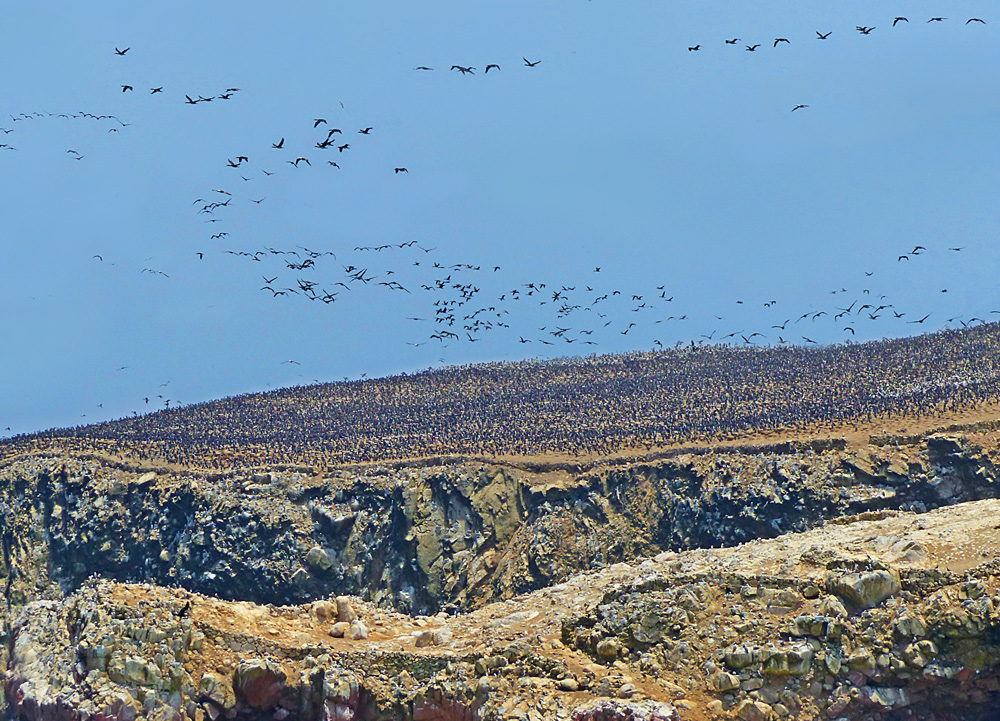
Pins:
x: 707, y: 532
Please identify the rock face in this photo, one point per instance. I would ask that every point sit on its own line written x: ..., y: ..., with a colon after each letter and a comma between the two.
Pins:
x: 298, y: 595
x: 754, y: 632
x: 427, y: 538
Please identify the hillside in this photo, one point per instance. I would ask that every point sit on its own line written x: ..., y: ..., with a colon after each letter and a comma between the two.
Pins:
x: 585, y: 408
x: 761, y: 534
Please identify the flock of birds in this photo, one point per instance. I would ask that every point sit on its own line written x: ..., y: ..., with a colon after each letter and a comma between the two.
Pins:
x: 463, y: 302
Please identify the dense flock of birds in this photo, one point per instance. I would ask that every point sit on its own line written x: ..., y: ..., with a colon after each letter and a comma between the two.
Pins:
x: 457, y: 301
x: 585, y: 407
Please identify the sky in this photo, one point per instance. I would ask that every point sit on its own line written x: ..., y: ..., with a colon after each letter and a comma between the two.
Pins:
x: 678, y: 183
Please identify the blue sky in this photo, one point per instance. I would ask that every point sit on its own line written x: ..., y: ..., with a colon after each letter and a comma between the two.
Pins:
x: 621, y: 150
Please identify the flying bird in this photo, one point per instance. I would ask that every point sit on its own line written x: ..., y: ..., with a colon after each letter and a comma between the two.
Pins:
x: 491, y: 65
x: 799, y: 107
x: 781, y: 40
x: 401, y: 170
x: 317, y: 121
x: 937, y: 20
x: 821, y: 36
x: 279, y: 145
x: 733, y: 41
x: 126, y: 88
x: 154, y: 91
x: 751, y: 48
x: 696, y: 47
x: 365, y: 131
x: 122, y: 52
x: 975, y: 20
x: 899, y: 20
x: 529, y: 63
x: 422, y: 67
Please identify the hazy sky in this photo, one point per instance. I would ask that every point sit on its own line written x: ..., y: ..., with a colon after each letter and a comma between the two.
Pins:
x: 621, y: 149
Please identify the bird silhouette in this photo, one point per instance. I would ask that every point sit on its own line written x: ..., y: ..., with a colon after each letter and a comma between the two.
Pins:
x: 279, y: 145
x: 821, y: 36
x: 491, y: 65
x: 751, y: 48
x: 529, y: 63
x: 122, y: 52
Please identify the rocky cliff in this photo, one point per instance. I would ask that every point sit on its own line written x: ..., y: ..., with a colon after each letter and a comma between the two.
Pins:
x: 436, y: 555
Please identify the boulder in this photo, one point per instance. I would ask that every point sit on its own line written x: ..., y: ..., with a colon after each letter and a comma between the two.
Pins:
x: 868, y: 589
x: 260, y: 683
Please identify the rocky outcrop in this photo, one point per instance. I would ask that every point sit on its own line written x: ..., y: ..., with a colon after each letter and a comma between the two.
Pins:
x: 467, y: 537
x: 759, y: 632
x: 424, y: 538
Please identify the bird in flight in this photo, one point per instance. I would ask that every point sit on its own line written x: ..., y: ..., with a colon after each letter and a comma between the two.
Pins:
x: 401, y: 170
x: 821, y: 36
x: 899, y: 19
x: 464, y: 70
x: 921, y: 320
x: 696, y: 47
x: 422, y: 67
x: 491, y: 65
x: 279, y: 145
x: 733, y: 41
x: 365, y: 131
x: 126, y: 87
x: 529, y: 63
x: 937, y: 20
x: 956, y: 249
x: 122, y: 52
x: 751, y: 48
x: 799, y: 107
x: 317, y: 121
x: 864, y: 30
x: 781, y: 40
x: 975, y: 20
x: 154, y: 91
